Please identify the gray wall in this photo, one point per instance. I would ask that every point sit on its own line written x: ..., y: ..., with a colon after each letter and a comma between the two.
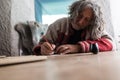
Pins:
x: 105, y: 4
x: 5, y: 26
x: 11, y: 13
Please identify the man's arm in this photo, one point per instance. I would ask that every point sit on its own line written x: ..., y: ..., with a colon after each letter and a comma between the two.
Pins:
x: 104, y: 44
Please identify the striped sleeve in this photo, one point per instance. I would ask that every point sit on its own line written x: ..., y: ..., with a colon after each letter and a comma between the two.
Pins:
x: 104, y: 44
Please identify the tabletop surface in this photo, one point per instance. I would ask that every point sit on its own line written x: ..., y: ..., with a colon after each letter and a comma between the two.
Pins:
x: 84, y: 66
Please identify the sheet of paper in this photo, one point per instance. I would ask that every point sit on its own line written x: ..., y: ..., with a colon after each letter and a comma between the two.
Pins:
x: 20, y: 59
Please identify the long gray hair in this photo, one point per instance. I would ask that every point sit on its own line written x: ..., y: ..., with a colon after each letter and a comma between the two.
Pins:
x: 96, y: 26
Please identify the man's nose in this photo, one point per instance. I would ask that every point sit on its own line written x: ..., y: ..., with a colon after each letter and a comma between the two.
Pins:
x: 81, y: 21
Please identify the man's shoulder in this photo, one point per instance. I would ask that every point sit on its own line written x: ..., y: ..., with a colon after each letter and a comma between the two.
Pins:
x: 60, y: 24
x: 64, y: 19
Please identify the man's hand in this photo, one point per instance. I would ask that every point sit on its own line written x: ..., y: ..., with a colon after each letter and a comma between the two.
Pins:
x: 47, y: 48
x: 68, y: 48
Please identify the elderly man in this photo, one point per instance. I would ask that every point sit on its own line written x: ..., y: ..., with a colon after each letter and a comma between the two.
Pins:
x: 83, y: 31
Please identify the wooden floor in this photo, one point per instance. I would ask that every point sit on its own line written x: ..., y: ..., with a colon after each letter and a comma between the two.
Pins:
x: 103, y: 66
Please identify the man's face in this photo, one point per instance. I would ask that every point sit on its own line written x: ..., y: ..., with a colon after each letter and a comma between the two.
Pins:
x: 84, y: 19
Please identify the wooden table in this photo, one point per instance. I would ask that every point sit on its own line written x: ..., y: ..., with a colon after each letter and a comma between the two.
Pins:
x: 103, y: 66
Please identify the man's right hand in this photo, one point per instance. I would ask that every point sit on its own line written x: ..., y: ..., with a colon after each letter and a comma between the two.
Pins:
x: 47, y: 48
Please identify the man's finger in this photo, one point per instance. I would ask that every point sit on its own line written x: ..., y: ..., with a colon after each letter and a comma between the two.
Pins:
x: 49, y: 46
x: 45, y: 51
